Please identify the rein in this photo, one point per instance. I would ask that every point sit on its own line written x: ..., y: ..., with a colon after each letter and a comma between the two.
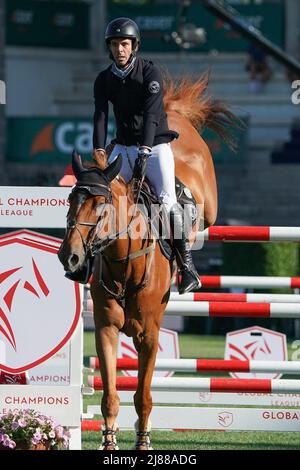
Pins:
x: 98, y: 247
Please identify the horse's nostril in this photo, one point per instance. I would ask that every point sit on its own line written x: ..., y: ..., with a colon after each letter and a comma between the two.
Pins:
x: 73, y: 260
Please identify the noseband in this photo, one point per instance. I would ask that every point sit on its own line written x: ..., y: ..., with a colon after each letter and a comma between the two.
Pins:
x: 92, y: 190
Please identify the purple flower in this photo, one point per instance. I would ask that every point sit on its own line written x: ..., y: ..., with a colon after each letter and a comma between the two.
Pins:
x: 12, y: 444
x: 22, y: 423
x: 14, y: 425
x: 37, y: 436
x: 6, y: 442
x: 34, y: 440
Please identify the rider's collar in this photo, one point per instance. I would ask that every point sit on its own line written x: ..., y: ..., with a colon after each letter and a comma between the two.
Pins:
x: 122, y: 73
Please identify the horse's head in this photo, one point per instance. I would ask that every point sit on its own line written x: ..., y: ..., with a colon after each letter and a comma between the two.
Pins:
x: 89, y: 200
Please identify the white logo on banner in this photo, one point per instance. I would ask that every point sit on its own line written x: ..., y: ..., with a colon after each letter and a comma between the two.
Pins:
x: 39, y: 307
x: 257, y: 344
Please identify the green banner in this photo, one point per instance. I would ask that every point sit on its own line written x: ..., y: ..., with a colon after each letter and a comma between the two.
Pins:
x: 47, y: 140
x: 159, y: 19
x: 52, y: 140
x: 47, y: 24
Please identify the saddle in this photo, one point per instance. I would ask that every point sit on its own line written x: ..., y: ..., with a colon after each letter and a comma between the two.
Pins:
x: 154, y: 212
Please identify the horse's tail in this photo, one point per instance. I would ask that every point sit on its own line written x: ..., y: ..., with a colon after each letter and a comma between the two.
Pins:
x: 190, y: 99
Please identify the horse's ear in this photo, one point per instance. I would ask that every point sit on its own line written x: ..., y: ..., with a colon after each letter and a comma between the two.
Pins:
x: 76, y: 164
x: 114, y: 168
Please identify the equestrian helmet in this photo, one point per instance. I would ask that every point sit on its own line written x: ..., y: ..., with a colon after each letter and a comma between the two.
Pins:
x: 123, y: 28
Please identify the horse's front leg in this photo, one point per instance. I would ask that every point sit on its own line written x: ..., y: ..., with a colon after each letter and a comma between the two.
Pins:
x: 109, y: 318
x: 146, y: 343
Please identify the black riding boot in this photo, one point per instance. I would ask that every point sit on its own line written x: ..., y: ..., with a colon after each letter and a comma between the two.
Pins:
x: 188, y: 278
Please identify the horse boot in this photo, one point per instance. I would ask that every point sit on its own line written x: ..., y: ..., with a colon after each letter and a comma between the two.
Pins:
x: 188, y: 278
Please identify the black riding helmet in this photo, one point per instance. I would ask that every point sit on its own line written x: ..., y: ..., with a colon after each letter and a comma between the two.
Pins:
x: 123, y: 28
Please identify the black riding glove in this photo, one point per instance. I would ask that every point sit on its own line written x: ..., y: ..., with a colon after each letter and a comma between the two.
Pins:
x: 140, y: 165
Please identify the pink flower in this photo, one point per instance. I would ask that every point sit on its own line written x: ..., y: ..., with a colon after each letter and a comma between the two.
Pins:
x: 37, y: 436
x: 14, y: 425
x: 12, y: 445
x: 52, y: 434
x: 6, y: 442
x: 22, y: 423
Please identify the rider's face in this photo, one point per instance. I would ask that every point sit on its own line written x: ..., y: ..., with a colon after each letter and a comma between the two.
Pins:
x: 121, y: 50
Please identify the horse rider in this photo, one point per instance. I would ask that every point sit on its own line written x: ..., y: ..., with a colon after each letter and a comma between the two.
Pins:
x: 134, y: 86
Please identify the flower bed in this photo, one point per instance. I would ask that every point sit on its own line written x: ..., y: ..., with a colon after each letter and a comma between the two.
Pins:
x: 30, y: 430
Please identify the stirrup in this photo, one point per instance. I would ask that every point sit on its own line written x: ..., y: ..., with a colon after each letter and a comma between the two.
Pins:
x: 193, y: 283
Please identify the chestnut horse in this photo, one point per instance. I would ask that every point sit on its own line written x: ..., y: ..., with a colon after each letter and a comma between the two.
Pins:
x: 123, y: 299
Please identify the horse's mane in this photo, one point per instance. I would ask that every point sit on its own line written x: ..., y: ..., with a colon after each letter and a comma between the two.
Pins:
x: 190, y: 99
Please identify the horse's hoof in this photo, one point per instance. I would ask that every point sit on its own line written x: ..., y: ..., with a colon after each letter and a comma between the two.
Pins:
x: 142, y: 448
x: 108, y: 447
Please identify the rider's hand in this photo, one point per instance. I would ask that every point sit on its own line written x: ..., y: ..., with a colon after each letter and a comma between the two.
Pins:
x: 140, y: 165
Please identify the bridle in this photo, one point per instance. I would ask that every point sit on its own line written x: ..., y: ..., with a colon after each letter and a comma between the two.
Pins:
x: 93, y: 246
x: 92, y: 190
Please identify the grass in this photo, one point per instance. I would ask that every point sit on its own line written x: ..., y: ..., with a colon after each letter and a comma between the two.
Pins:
x: 204, y: 440
x: 193, y: 346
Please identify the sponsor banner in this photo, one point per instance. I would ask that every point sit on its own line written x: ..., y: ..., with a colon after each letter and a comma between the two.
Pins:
x: 157, y: 21
x: 33, y: 206
x: 54, y: 371
x: 59, y: 402
x: 47, y: 24
x: 52, y: 140
x: 207, y: 398
x: 40, y: 308
x: 230, y: 419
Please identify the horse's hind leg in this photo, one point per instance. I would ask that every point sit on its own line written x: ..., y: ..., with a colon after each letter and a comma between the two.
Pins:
x: 108, y: 320
x: 146, y: 343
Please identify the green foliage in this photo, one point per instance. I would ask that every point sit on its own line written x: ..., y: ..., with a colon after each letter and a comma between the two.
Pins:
x: 260, y: 259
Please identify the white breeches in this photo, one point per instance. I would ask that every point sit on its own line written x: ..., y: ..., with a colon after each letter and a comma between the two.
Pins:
x: 160, y: 170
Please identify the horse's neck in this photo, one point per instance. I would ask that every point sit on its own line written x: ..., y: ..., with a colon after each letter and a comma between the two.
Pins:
x: 124, y: 206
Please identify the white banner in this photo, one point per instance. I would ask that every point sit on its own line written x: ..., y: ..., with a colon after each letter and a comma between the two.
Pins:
x: 230, y: 419
x: 62, y: 403
x: 33, y: 206
x: 39, y: 307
